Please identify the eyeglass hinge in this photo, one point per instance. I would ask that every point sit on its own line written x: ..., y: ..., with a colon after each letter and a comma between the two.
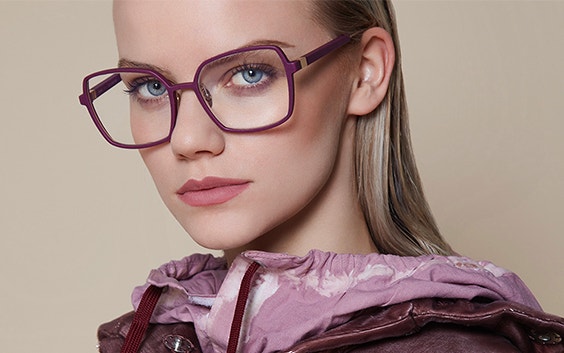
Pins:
x: 93, y: 94
x: 303, y: 62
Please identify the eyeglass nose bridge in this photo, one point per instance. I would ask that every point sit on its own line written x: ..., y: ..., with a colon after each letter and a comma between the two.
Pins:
x: 202, y: 94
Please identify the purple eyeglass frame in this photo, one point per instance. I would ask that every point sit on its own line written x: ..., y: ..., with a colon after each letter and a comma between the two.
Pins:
x: 291, y: 67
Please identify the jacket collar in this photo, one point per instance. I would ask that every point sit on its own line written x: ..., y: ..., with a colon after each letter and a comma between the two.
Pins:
x: 292, y: 298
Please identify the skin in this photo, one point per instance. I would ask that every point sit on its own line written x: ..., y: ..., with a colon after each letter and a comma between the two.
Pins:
x: 301, y: 174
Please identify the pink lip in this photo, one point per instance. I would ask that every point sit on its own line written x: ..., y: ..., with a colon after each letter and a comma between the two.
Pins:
x: 211, y: 191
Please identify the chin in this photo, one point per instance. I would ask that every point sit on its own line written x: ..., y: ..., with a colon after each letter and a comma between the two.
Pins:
x: 221, y: 239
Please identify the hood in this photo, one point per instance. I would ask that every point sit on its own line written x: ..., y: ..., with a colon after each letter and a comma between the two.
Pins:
x: 291, y: 298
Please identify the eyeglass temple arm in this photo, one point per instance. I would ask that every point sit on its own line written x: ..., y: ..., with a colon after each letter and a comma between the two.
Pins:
x: 320, y: 52
x: 100, y: 88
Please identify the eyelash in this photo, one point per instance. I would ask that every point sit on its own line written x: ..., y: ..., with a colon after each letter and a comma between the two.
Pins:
x: 267, y: 69
x: 135, y: 84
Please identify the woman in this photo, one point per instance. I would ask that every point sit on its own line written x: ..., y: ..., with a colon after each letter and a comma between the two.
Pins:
x: 277, y: 132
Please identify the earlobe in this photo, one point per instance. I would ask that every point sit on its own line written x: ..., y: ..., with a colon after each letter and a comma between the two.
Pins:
x: 372, y: 75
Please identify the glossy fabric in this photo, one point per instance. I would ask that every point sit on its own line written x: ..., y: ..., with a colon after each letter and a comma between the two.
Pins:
x: 424, y: 325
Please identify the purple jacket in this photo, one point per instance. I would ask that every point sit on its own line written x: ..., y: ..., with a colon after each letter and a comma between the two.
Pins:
x: 340, y: 302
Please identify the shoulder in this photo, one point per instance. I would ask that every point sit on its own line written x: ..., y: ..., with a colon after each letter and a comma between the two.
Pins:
x: 438, y: 325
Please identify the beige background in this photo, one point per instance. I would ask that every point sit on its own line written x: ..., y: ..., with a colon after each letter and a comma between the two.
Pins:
x: 80, y: 222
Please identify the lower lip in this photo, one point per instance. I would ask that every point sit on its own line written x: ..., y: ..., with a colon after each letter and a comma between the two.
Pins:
x: 214, y: 196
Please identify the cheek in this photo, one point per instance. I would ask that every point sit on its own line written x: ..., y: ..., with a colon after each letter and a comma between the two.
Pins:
x: 145, y: 130
x: 302, y: 156
x: 303, y: 152
x: 319, y: 113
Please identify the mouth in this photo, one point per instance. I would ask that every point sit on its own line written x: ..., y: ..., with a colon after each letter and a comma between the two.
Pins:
x: 211, y: 191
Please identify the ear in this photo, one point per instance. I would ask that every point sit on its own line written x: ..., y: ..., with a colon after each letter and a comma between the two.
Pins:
x: 372, y: 75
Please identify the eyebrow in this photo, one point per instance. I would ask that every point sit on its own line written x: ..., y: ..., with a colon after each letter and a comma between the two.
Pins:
x: 259, y: 42
x: 126, y: 63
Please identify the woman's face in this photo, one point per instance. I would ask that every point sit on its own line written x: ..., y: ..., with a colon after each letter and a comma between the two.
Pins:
x: 228, y: 190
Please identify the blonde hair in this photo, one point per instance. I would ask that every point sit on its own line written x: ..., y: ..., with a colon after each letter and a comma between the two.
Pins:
x: 389, y: 188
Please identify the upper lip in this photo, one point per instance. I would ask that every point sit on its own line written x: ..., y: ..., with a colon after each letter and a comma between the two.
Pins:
x: 209, y: 183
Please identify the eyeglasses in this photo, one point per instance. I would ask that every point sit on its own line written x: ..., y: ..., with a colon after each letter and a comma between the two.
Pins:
x: 243, y: 90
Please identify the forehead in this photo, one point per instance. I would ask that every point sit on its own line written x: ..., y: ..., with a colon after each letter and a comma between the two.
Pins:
x: 155, y: 30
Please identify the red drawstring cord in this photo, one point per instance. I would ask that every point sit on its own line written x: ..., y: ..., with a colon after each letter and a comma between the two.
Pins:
x: 237, y: 322
x: 151, y: 297
x: 141, y: 320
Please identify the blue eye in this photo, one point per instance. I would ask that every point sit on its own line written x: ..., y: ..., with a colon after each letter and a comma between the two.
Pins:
x: 146, y: 88
x: 252, y: 75
x: 147, y: 91
x: 155, y: 88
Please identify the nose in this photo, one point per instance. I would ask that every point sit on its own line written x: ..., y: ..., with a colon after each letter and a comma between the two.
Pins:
x: 195, y: 135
